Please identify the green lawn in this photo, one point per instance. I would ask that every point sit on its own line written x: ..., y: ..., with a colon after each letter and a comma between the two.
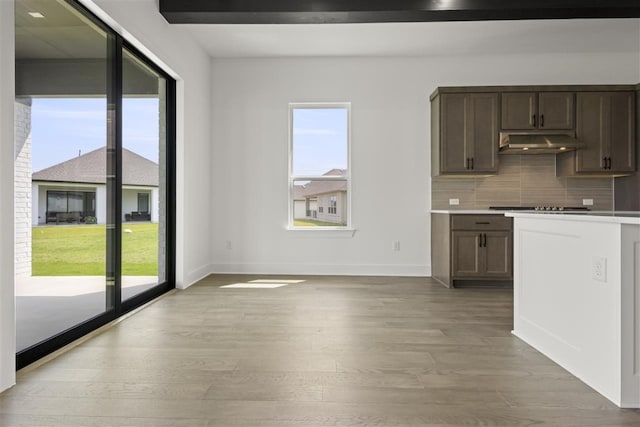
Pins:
x: 80, y: 250
x: 313, y: 223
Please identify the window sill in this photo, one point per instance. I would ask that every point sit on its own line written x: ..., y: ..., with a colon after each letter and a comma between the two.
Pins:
x: 315, y: 232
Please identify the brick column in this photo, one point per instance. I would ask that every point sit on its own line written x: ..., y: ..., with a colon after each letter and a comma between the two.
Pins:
x: 22, y: 186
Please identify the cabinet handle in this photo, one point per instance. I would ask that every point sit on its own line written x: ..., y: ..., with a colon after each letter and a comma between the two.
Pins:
x: 480, y: 240
x: 609, y: 163
x: 541, y: 120
x: 484, y: 237
x: 472, y: 163
x: 533, y: 119
x: 467, y: 165
x: 483, y: 223
x: 604, y: 161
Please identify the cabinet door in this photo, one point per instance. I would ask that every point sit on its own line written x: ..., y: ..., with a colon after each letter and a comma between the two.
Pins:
x: 555, y: 110
x: 453, y: 149
x: 519, y: 110
x: 465, y: 254
x: 622, y: 146
x: 498, y: 248
x: 592, y: 127
x: 482, y: 132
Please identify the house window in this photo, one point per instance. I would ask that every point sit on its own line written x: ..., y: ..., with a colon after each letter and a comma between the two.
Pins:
x: 69, y: 206
x: 333, y: 204
x: 319, y: 172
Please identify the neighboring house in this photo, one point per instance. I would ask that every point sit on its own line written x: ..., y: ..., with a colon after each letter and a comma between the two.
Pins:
x: 322, y: 200
x: 75, y: 190
x: 301, y: 205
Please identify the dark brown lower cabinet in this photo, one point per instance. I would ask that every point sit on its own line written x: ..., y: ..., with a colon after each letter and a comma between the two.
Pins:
x: 485, y: 254
x: 466, y: 248
x: 469, y: 248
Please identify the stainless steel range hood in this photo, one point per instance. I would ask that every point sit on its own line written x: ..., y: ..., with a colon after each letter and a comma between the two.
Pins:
x: 523, y: 142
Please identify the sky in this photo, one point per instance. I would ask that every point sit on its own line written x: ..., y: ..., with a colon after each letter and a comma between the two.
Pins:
x: 63, y: 127
x: 320, y: 138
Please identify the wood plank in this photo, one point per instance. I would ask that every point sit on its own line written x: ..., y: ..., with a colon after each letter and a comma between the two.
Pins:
x: 339, y: 351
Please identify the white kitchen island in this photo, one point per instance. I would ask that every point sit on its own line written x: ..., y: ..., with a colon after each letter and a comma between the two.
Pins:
x: 577, y: 296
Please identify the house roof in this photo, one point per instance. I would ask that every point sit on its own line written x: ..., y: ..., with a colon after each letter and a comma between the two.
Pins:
x: 314, y: 188
x: 92, y: 168
x: 298, y: 192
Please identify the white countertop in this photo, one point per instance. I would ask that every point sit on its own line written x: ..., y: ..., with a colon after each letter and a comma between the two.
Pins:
x: 620, y: 217
x: 469, y: 212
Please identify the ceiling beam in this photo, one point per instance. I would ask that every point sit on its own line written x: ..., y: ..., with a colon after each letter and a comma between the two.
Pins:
x: 358, y: 11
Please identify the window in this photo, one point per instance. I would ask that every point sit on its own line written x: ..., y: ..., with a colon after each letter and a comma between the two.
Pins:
x: 333, y: 204
x: 63, y: 202
x: 319, y: 172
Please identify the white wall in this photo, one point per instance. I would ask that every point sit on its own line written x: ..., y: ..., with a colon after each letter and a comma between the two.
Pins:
x: 140, y: 22
x: 390, y: 151
x: 7, y: 293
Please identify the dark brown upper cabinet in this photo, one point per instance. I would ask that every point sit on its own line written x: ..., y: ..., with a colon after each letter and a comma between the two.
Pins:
x: 605, y: 123
x: 537, y: 110
x: 464, y: 133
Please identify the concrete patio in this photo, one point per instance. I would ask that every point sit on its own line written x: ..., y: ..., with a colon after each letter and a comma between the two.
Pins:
x: 48, y: 305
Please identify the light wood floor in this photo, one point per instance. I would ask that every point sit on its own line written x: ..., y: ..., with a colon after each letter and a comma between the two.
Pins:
x: 332, y: 351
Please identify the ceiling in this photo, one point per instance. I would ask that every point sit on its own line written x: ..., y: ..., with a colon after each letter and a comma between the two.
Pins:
x: 418, y: 39
x: 65, y: 34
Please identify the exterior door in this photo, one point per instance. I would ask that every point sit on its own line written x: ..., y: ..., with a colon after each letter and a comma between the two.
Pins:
x: 143, y: 202
x: 144, y: 151
x: 74, y: 260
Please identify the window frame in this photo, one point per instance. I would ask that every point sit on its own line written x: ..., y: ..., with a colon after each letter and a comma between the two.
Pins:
x: 344, y: 177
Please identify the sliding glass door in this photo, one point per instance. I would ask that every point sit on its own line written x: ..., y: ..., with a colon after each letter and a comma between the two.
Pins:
x: 144, y: 147
x: 94, y: 168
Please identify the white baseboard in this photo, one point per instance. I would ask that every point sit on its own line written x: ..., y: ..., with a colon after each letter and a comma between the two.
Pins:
x: 196, y: 275
x: 408, y: 270
x: 568, y: 365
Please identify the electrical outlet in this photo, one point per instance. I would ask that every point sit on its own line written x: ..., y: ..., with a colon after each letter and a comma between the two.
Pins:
x: 587, y: 202
x: 228, y: 245
x: 599, y: 269
x: 395, y: 245
x: 454, y: 202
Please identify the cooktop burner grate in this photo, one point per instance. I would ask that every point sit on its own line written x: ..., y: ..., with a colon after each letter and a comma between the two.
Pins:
x: 541, y: 208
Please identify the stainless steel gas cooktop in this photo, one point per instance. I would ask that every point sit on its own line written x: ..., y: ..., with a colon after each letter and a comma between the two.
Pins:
x: 541, y: 208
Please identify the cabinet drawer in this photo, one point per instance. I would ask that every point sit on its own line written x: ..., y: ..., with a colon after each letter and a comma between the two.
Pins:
x: 480, y: 222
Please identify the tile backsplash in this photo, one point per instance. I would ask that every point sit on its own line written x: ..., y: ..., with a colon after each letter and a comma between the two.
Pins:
x: 522, y: 180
